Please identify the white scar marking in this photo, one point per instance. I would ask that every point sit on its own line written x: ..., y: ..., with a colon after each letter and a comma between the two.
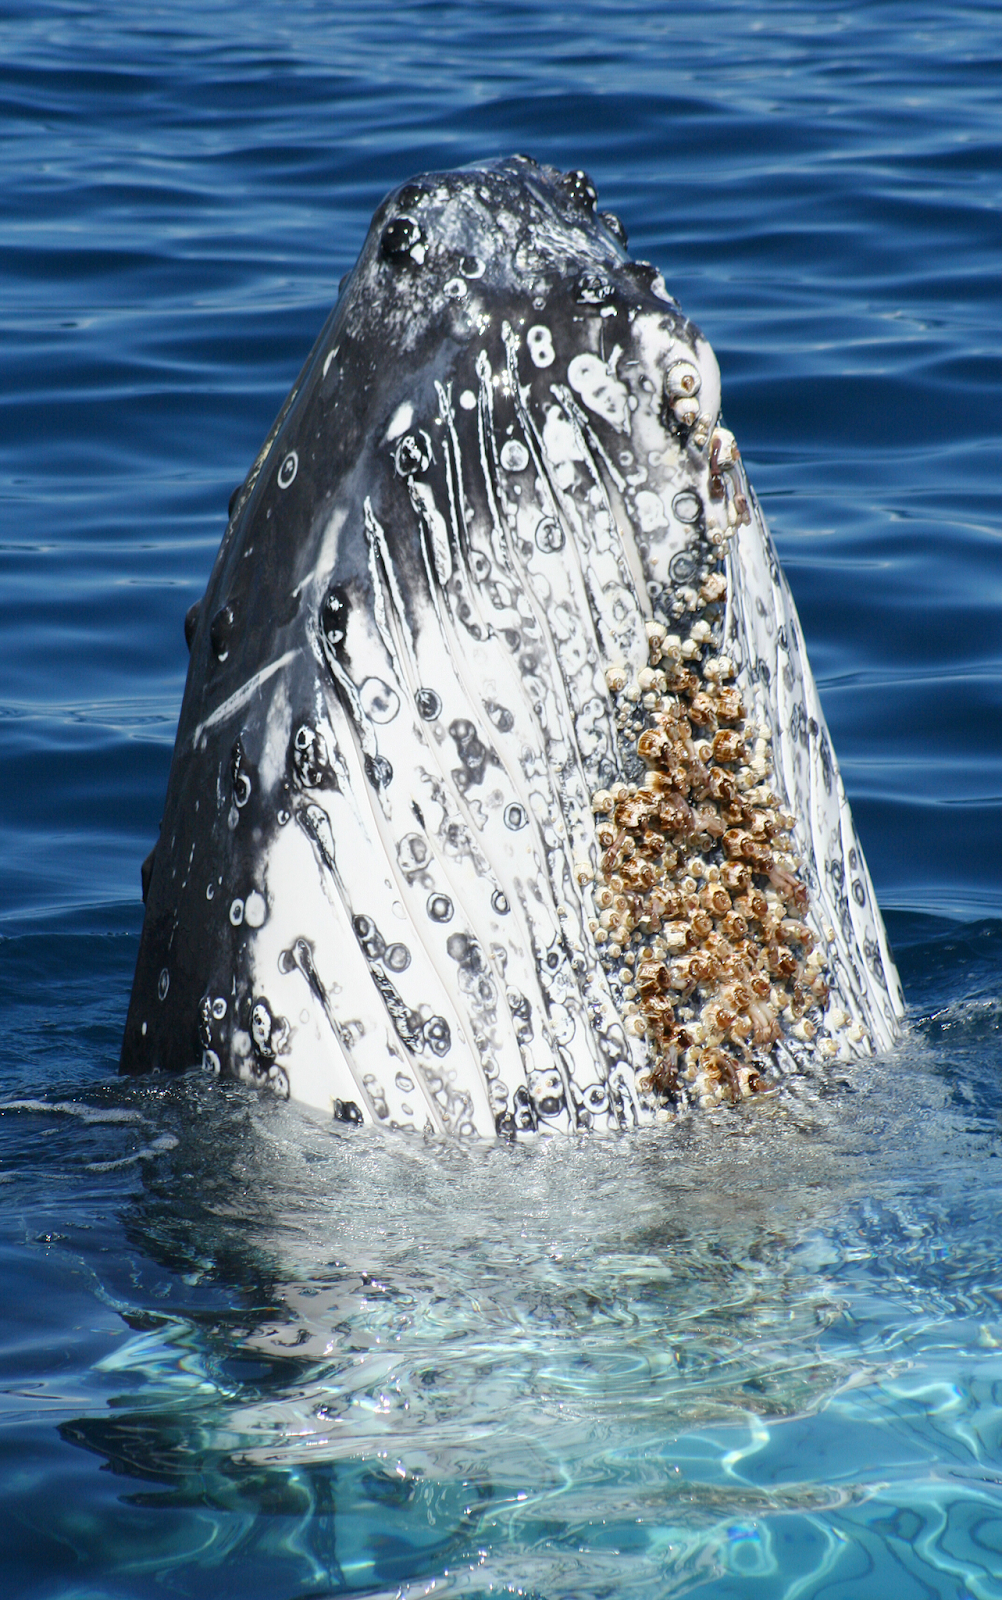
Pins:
x: 237, y: 701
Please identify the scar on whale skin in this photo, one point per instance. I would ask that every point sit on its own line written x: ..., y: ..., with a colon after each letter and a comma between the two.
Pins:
x: 502, y: 799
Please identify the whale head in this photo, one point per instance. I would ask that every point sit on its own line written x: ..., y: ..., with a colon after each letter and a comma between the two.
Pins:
x: 502, y: 799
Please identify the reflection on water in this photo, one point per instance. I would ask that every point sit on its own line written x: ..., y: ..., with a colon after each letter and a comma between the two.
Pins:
x: 764, y: 1344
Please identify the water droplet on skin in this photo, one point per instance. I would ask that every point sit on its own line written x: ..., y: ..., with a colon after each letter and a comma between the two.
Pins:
x: 440, y: 908
x: 287, y: 471
x: 429, y: 704
x: 164, y: 984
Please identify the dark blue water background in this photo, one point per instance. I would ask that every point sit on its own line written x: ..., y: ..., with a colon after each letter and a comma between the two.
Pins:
x: 240, y: 1355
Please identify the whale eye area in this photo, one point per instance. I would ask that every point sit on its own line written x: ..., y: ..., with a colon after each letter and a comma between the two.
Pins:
x: 399, y: 238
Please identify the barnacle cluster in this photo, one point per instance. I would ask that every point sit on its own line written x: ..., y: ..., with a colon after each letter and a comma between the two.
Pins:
x: 700, y: 906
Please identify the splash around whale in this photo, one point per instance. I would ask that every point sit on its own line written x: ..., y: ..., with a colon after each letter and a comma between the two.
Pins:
x: 502, y: 799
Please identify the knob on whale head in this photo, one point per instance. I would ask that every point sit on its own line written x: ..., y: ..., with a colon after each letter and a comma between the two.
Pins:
x: 502, y: 799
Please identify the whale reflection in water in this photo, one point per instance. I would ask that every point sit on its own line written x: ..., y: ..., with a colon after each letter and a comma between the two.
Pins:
x: 502, y: 799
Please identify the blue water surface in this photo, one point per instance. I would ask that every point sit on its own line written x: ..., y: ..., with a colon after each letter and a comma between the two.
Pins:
x: 756, y: 1355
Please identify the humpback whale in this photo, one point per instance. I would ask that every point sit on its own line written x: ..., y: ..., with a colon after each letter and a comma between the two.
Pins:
x: 502, y: 800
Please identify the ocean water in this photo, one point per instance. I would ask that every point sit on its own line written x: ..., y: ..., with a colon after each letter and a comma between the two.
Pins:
x: 758, y: 1354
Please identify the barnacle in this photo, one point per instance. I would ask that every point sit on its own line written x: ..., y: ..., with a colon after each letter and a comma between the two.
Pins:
x: 700, y: 898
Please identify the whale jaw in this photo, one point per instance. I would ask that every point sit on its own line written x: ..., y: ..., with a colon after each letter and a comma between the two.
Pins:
x: 502, y: 799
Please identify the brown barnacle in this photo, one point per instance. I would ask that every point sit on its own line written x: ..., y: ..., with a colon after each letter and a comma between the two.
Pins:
x: 651, y: 979
x: 675, y: 813
x: 734, y: 926
x: 782, y: 962
x: 759, y: 985
x: 734, y: 875
x: 634, y: 811
x: 788, y: 885
x: 733, y: 842
x: 703, y: 967
x: 651, y: 843
x: 764, y: 1022
x: 663, y: 1076
x: 716, y: 486
x: 721, y: 785
x: 702, y: 710
x: 682, y: 682
x: 680, y: 975
x: 664, y: 902
x: 730, y: 707
x: 605, y: 834
x: 792, y: 930
x: 701, y: 924
x: 638, y: 874
x: 676, y: 935
x: 820, y: 991
x: 757, y: 851
x: 742, y: 513
x: 800, y: 1000
x: 737, y: 995
x: 654, y: 745
x: 715, y: 899
x: 714, y: 588
x: 707, y: 820
x: 752, y: 905
x: 716, y: 1063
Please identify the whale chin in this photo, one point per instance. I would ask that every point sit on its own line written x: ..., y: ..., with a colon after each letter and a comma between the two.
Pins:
x: 502, y: 800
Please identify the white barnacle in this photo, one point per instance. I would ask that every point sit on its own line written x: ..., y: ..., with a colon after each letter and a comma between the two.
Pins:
x: 682, y: 379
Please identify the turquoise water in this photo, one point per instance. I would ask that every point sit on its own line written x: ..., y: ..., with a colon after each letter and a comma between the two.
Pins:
x: 756, y: 1355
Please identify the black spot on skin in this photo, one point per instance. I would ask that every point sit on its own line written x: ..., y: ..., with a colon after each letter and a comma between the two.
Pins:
x: 334, y: 613
x: 579, y: 189
x: 347, y: 1111
x: 399, y: 238
x: 221, y: 632
x: 411, y: 195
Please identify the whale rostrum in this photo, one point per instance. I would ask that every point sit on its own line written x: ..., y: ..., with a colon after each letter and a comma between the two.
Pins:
x: 502, y: 799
